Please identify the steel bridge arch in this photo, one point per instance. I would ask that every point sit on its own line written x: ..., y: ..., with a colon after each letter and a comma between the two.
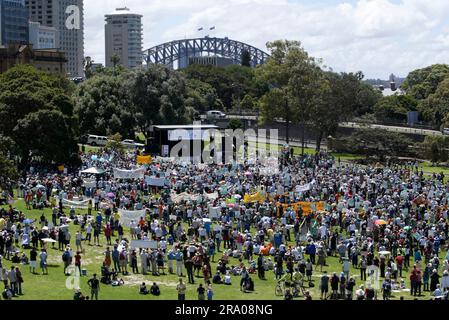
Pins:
x: 180, y: 50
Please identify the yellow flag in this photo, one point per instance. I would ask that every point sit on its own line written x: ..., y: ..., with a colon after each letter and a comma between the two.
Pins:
x: 144, y: 159
x: 61, y: 168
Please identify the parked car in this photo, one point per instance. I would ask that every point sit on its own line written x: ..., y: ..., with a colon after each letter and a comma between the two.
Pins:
x: 132, y: 144
x: 94, y: 140
x: 214, y: 114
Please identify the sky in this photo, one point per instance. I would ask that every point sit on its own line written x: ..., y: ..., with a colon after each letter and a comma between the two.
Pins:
x: 378, y: 37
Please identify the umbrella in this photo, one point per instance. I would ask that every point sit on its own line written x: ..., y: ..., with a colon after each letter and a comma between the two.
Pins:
x: 39, y: 186
x: 28, y: 221
x: 45, y: 228
x: 237, y: 196
x: 406, y: 228
x: 49, y: 240
x: 385, y: 253
x: 231, y: 205
x: 111, y: 195
x: 380, y: 222
x: 247, y: 173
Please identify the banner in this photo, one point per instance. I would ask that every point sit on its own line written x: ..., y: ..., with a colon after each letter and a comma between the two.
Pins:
x: 129, y: 174
x: 89, y: 183
x: 127, y: 216
x: 307, y: 207
x: 144, y: 244
x: 76, y: 204
x: 155, y: 182
x: 214, y: 212
x: 257, y: 197
x: 144, y: 159
x: 303, y: 188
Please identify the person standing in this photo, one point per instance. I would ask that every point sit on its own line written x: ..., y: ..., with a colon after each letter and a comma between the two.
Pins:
x: 12, y: 277
x: 19, y: 278
x: 210, y: 292
x: 33, y: 260
x: 324, y: 285
x: 94, y: 286
x: 201, y: 291
x: 181, y: 288
x: 78, y: 239
x: 189, y: 267
x: 43, y: 262
x: 116, y: 259
x: 363, y: 266
x: 89, y: 232
x: 434, y: 280
x: 179, y: 262
x: 78, y: 261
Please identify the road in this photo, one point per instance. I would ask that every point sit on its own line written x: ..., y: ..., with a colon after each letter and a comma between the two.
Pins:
x: 409, y: 130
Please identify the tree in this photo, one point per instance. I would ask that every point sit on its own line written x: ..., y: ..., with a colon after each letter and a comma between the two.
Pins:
x: 8, y: 171
x: 294, y: 77
x: 115, y: 59
x: 435, y: 108
x: 159, y: 97
x: 235, y: 124
x: 54, y: 141
x: 246, y: 58
x: 115, y: 143
x: 105, y: 105
x: 336, y: 102
x: 421, y: 83
x: 377, y: 142
x: 36, y: 113
x: 88, y: 67
x: 201, y: 97
x: 394, y: 107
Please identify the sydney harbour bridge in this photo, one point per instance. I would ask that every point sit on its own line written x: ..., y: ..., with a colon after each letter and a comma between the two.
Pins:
x: 177, y: 53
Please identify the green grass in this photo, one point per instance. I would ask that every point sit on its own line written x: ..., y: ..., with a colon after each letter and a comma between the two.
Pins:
x: 53, y: 286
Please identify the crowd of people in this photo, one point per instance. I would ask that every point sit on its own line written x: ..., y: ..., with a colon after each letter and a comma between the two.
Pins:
x: 388, y: 222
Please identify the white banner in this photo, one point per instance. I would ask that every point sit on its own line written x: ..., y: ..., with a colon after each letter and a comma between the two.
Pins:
x: 211, y: 196
x: 90, y: 183
x: 144, y: 244
x: 127, y: 216
x: 129, y: 174
x: 214, y: 212
x: 155, y: 182
x: 303, y: 188
x: 76, y: 204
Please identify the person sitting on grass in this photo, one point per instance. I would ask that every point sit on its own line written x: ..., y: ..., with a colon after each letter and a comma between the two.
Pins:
x: 155, y: 291
x: 78, y: 295
x: 217, y: 279
x: 143, y: 289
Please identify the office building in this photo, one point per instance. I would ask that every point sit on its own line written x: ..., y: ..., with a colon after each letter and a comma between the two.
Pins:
x: 67, y: 17
x: 123, y: 37
x: 42, y: 37
x: 13, y: 22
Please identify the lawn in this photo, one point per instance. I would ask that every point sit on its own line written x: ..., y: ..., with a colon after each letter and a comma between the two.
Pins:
x: 53, y: 286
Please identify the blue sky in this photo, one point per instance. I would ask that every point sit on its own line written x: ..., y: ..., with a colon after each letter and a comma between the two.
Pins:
x: 377, y: 37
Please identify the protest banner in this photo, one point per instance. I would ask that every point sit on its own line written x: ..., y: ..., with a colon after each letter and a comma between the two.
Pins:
x: 214, y: 212
x: 76, y: 204
x: 144, y: 160
x: 129, y: 174
x: 143, y: 244
x: 127, y: 216
x: 257, y: 197
x: 307, y: 207
x: 155, y: 182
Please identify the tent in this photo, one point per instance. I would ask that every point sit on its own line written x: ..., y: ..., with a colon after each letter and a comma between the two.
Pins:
x: 92, y: 171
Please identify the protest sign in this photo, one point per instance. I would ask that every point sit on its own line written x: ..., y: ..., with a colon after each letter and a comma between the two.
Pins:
x: 127, y: 216
x: 143, y: 244
x: 129, y: 174
x: 76, y: 204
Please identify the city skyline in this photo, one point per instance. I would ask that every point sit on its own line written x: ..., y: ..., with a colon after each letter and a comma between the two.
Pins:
x: 377, y: 37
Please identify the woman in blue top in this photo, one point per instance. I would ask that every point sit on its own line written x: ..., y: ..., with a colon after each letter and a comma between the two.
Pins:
x: 417, y: 255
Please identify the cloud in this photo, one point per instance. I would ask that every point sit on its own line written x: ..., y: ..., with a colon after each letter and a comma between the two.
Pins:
x: 375, y: 36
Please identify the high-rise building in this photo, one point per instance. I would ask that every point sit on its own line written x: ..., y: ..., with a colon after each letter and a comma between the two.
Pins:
x: 42, y: 37
x: 67, y: 17
x: 123, y: 37
x: 13, y: 22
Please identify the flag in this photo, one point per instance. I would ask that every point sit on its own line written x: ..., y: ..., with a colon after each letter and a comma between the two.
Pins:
x: 200, y: 29
x: 213, y: 28
x: 144, y: 159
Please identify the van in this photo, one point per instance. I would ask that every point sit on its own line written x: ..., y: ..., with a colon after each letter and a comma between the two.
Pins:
x: 214, y: 114
x: 96, y: 140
